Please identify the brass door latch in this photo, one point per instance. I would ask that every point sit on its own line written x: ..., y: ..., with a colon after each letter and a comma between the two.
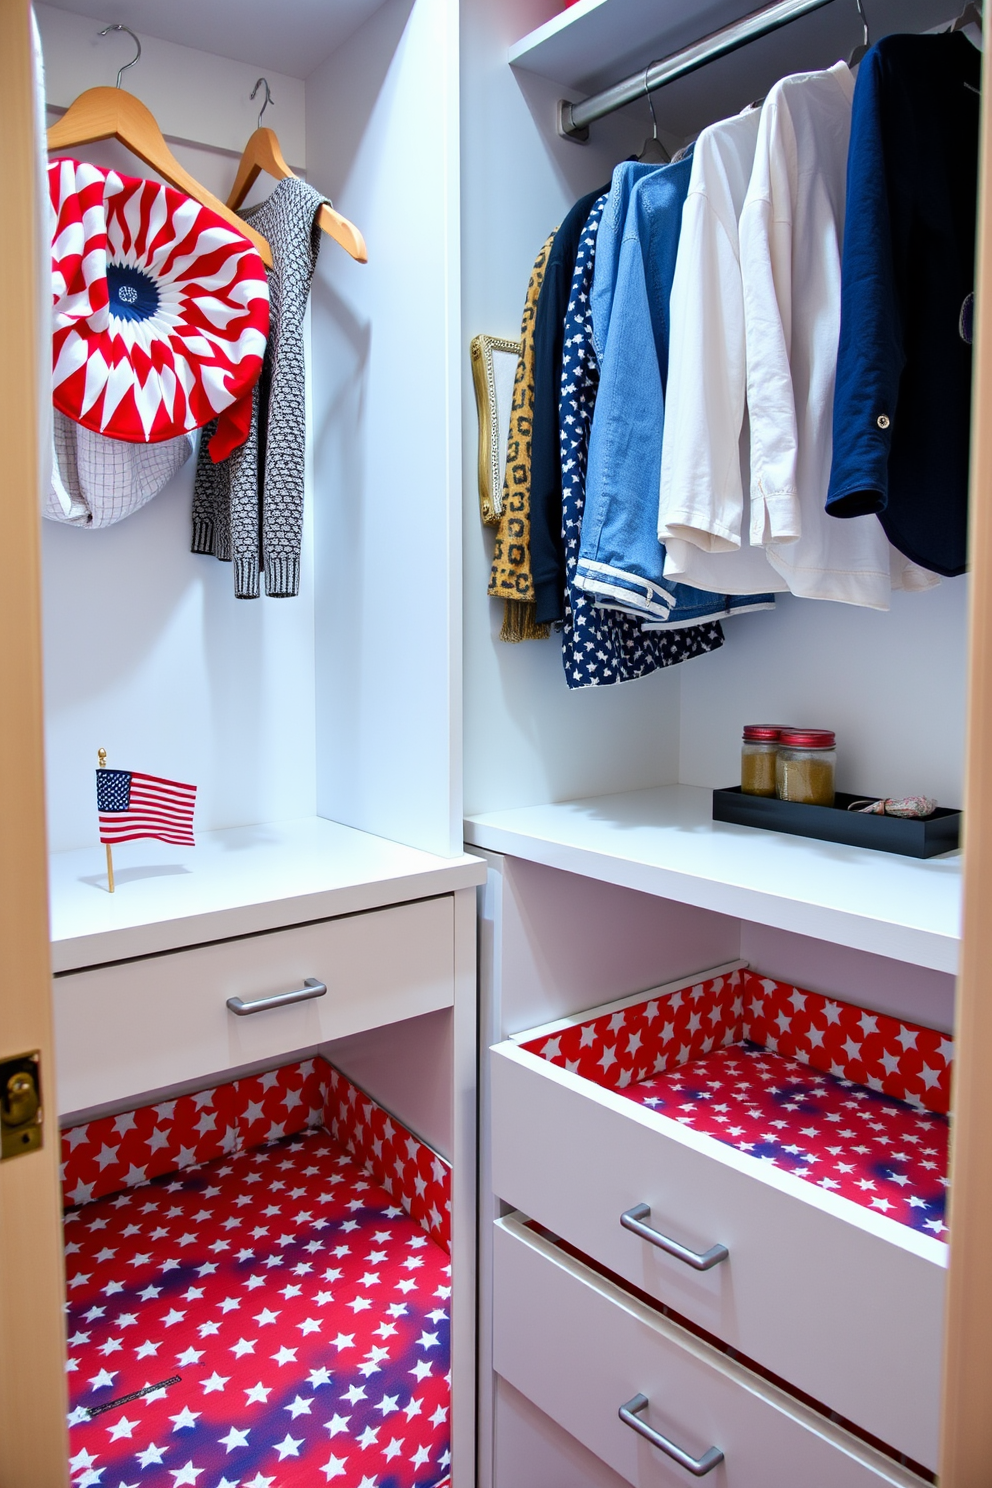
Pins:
x: 20, y: 1105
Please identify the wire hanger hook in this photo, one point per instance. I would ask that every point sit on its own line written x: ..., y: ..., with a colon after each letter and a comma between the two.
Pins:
x: 654, y: 152
x: 118, y: 27
x: 865, y: 42
x: 654, y: 119
x: 268, y: 98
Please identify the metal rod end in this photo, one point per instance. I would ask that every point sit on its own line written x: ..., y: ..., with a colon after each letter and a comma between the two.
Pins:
x: 566, y: 128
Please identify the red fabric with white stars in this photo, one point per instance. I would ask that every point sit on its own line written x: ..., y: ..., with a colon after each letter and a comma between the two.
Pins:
x: 406, y: 1167
x: 880, y: 1152
x: 114, y: 1152
x: 110, y: 1153
x: 853, y: 1101
x: 902, y: 1059
x: 305, y: 1313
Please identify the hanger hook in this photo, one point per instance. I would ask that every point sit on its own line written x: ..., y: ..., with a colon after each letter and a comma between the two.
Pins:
x: 864, y: 22
x: 118, y: 27
x: 268, y: 98
x: 654, y: 117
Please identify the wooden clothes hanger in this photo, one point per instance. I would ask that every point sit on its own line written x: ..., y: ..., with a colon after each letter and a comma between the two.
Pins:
x: 263, y: 153
x: 113, y: 113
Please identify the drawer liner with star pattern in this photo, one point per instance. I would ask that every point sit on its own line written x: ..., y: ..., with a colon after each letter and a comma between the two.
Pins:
x: 258, y: 1290
x: 852, y: 1100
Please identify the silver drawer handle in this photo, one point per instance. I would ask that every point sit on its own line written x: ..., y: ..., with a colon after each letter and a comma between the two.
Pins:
x: 698, y: 1466
x: 311, y: 988
x: 634, y: 1219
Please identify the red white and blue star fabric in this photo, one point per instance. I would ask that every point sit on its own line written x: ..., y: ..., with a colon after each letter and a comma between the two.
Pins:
x: 851, y: 1100
x: 289, y: 1315
x: 160, y: 307
x: 110, y: 1153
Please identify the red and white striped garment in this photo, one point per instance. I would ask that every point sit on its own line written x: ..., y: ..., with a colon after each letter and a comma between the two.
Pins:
x: 132, y: 805
x: 160, y: 308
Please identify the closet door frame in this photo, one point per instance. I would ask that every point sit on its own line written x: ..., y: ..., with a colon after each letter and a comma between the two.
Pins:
x: 33, y: 1433
x: 966, y: 1447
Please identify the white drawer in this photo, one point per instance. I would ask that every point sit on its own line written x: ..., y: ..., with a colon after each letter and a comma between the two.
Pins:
x: 579, y: 1348
x: 150, y: 1024
x: 843, y: 1303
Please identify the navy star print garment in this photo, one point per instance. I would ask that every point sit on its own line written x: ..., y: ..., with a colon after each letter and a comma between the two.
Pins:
x: 600, y: 646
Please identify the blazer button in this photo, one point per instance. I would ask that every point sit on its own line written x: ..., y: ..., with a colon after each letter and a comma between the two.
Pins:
x: 883, y: 421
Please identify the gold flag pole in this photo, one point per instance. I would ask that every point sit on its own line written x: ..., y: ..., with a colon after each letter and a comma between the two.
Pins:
x: 101, y: 755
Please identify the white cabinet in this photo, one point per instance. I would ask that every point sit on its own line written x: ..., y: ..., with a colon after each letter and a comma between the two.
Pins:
x: 839, y: 1306
x: 163, y: 1020
x: 581, y: 1348
x: 151, y: 1025
x: 806, y: 1273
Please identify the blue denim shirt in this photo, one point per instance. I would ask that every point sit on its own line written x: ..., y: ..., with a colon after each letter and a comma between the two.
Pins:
x: 621, y: 561
x: 608, y: 247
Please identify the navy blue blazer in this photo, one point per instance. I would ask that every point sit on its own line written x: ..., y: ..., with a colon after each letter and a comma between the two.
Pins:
x: 902, y: 402
x: 547, y: 551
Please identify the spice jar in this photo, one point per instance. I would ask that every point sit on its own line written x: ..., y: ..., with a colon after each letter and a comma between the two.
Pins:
x: 804, y: 769
x: 758, y: 754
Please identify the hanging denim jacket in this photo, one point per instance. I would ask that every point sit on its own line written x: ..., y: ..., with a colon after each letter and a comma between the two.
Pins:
x: 621, y: 561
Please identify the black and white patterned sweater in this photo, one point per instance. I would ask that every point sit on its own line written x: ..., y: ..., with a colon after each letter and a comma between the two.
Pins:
x: 248, y: 509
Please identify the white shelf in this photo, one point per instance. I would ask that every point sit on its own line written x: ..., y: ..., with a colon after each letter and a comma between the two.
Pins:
x: 595, y: 43
x: 233, y: 882
x: 595, y: 36
x: 665, y: 842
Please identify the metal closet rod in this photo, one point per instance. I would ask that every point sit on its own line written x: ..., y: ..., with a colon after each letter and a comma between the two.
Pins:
x: 574, y: 118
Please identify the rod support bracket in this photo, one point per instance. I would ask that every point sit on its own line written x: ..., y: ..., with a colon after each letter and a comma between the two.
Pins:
x: 566, y: 128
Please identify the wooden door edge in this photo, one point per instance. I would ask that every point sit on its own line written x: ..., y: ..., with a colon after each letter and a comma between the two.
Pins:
x: 966, y: 1437
x: 33, y: 1434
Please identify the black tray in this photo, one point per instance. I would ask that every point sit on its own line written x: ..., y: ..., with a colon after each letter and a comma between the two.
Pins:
x: 920, y: 838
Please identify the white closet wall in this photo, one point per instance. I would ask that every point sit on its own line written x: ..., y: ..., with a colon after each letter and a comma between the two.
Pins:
x: 386, y: 398
x: 343, y: 702
x: 890, y: 683
x: 526, y: 738
x: 197, y: 96
x: 147, y: 652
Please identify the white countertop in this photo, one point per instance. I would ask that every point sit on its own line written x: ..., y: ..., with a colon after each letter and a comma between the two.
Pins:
x: 232, y: 883
x: 665, y: 842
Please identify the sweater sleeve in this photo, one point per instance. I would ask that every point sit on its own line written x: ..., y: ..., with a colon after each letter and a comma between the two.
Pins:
x: 870, y: 355
x: 206, y: 486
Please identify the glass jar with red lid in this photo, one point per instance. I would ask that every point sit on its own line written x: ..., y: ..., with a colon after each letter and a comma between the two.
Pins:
x: 805, y: 766
x: 759, y: 752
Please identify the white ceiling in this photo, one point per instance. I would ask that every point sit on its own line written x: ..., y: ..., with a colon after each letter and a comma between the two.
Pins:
x: 290, y: 36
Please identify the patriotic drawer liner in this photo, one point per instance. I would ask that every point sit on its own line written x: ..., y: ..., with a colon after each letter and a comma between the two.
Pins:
x: 853, y: 1101
x: 272, y: 1256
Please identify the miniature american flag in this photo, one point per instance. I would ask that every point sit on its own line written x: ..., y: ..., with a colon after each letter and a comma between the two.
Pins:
x: 133, y: 805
